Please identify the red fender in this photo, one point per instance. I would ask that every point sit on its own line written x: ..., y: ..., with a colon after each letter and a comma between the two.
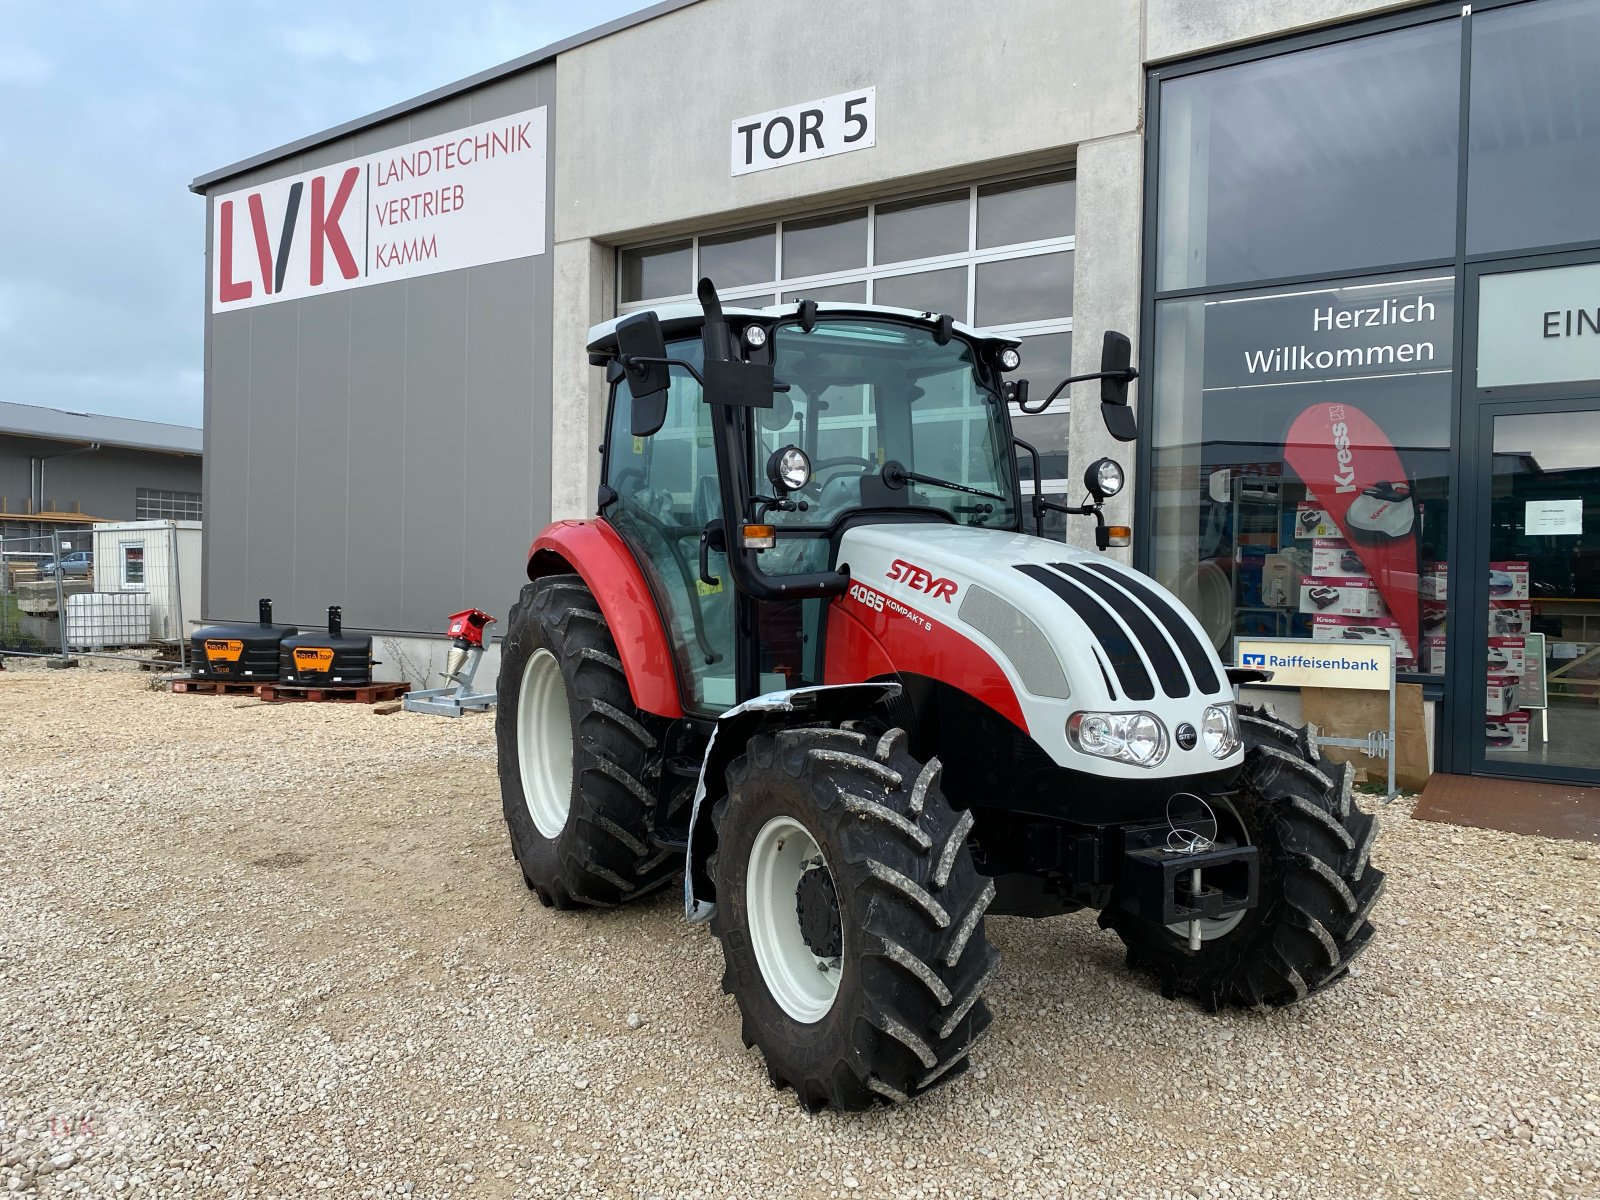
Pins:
x: 597, y: 552
x: 868, y: 643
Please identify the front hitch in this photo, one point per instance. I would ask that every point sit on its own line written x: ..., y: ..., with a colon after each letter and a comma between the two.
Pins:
x: 1177, y: 886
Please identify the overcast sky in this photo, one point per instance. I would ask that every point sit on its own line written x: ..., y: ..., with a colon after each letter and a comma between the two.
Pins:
x: 108, y: 109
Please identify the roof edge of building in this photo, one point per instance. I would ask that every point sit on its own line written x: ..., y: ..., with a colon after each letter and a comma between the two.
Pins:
x: 202, y: 183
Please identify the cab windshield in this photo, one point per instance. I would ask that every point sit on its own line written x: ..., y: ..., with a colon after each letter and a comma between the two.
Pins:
x: 863, y: 393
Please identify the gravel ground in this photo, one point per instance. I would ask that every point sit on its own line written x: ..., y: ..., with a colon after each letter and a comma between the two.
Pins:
x: 274, y: 950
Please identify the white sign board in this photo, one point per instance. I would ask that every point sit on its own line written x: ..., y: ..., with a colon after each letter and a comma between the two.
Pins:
x: 459, y: 199
x: 1539, y: 326
x: 1558, y: 518
x: 801, y: 132
x: 1306, y: 663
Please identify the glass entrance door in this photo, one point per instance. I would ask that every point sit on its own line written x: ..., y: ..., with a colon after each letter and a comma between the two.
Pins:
x: 1537, y: 578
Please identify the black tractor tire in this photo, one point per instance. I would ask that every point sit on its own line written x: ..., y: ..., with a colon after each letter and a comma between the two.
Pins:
x: 913, y: 955
x: 1317, y: 884
x: 601, y: 856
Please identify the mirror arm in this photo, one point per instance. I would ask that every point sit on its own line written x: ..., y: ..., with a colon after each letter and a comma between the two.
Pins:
x: 1129, y: 374
x: 629, y: 361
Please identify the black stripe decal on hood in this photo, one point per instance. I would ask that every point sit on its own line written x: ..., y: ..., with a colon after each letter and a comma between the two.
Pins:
x: 1195, y: 652
x: 1118, y: 646
x: 1169, y: 673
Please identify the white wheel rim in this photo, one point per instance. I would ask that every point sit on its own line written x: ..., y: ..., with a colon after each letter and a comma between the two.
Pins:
x: 1212, y: 928
x: 804, y: 985
x: 544, y: 743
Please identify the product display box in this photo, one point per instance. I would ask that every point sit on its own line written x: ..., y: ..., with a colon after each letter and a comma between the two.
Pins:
x: 1509, y: 732
x: 1434, y: 615
x: 1312, y: 522
x: 1510, y: 618
x: 1432, y: 583
x: 1433, y: 653
x: 1502, y: 696
x: 1281, y: 573
x: 1332, y: 558
x: 1340, y: 597
x: 1508, y: 656
x: 1370, y: 629
x: 1508, y: 581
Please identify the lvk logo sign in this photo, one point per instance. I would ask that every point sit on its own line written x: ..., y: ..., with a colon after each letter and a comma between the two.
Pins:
x: 462, y: 199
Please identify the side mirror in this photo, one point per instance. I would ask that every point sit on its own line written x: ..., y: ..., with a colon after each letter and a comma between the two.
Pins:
x: 1117, y: 371
x: 640, y: 337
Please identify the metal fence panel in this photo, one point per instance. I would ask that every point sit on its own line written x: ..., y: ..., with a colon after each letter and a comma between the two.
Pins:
x: 112, y: 592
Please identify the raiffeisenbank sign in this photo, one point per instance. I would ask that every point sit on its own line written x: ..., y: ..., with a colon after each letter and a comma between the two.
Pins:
x: 1306, y: 663
x: 460, y: 199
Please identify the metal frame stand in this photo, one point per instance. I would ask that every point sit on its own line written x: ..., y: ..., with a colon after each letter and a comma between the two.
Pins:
x: 456, y: 699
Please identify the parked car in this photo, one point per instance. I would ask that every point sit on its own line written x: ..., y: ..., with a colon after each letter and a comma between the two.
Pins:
x: 79, y: 562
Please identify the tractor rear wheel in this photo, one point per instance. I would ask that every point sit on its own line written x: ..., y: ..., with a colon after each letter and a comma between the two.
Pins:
x: 577, y: 759
x: 850, y: 916
x: 1317, y: 884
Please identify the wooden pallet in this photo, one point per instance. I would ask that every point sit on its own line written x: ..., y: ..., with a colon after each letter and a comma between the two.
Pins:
x: 366, y: 693
x: 214, y: 687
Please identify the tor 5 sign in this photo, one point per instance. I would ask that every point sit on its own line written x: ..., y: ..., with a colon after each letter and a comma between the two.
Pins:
x: 801, y: 132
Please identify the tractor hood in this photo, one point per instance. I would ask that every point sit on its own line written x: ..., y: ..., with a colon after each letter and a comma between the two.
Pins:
x: 1040, y: 631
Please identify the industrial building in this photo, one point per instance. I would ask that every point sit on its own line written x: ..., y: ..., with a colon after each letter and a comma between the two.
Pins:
x: 1354, y: 244
x: 67, y: 470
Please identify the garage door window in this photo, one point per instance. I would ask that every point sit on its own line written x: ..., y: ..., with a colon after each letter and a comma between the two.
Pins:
x: 997, y: 255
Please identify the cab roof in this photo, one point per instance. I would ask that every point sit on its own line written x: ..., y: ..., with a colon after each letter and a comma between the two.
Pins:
x: 688, y: 316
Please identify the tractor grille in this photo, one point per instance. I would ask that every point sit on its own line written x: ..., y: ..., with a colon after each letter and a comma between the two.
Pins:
x: 1019, y: 639
x: 1145, y: 640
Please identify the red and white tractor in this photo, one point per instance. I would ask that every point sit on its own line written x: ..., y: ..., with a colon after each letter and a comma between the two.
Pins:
x: 809, y: 657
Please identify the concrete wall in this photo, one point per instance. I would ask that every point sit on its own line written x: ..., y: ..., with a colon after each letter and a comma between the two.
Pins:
x: 385, y: 448
x: 103, y: 483
x: 1051, y: 75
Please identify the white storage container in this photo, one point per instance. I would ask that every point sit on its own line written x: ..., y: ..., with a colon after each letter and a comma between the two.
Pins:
x: 104, y: 620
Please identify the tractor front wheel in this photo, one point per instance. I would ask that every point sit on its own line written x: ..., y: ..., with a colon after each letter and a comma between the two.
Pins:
x: 850, y: 916
x: 1317, y: 884
x: 577, y: 759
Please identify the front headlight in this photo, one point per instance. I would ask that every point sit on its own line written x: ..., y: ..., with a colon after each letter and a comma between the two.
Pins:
x: 789, y: 469
x: 1103, y: 478
x: 1220, y: 731
x: 1138, y: 737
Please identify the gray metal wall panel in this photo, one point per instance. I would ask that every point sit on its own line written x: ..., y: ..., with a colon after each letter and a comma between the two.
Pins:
x: 429, y: 502
x: 274, y: 387
x: 435, y: 400
x: 507, y: 473
x: 378, y: 355
x: 225, y: 548
x: 322, y: 453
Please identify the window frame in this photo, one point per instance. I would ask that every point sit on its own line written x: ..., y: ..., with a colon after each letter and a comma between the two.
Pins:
x: 971, y: 258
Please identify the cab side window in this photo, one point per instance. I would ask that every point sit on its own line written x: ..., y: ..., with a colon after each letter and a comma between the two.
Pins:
x: 666, y: 488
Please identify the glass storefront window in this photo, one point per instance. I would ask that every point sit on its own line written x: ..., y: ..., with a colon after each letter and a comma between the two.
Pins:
x: 1543, y: 656
x: 1301, y: 460
x: 1533, y: 169
x: 1338, y: 158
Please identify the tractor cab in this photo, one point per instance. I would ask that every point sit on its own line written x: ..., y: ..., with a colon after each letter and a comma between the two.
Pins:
x: 744, y: 444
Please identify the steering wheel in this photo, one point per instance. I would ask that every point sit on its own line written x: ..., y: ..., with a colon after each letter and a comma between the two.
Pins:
x: 827, y: 464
